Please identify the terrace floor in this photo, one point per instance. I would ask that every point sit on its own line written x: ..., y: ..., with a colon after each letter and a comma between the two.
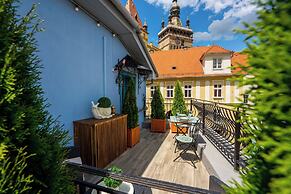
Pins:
x: 153, y: 158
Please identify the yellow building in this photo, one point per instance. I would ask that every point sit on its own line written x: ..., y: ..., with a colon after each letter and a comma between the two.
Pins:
x: 204, y: 72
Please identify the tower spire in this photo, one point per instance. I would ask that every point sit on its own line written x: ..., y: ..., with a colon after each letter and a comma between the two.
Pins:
x: 174, y: 17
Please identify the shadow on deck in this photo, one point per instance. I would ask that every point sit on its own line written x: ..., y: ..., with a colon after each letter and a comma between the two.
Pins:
x: 153, y: 158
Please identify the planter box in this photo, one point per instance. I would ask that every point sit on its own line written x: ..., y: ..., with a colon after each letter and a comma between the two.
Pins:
x: 174, y: 128
x: 133, y: 136
x: 158, y: 125
x: 125, y: 187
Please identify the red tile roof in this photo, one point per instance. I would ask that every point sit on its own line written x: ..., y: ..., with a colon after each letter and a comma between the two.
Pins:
x: 187, y: 62
x: 131, y: 8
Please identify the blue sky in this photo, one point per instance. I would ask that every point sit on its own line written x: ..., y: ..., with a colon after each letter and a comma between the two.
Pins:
x: 212, y: 21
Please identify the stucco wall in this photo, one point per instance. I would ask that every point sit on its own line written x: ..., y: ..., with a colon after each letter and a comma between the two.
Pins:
x: 225, y: 66
x: 78, y: 59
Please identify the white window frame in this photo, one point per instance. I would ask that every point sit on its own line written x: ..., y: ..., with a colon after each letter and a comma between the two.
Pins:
x: 152, y: 90
x: 170, y: 90
x: 216, y: 89
x: 217, y: 63
x: 188, y: 90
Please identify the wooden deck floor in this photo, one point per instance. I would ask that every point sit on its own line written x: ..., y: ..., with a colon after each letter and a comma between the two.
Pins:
x: 153, y: 158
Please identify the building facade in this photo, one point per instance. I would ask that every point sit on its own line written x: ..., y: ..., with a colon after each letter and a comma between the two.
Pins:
x: 175, y: 35
x: 205, y: 73
x: 83, y: 43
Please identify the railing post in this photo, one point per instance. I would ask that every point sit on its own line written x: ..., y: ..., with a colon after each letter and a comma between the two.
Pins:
x: 237, y: 134
x: 203, y: 118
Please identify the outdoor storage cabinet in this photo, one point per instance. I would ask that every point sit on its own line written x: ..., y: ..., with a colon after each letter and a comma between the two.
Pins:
x: 101, y: 141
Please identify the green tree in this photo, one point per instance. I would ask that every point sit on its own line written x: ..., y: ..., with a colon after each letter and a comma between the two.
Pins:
x: 13, y: 179
x: 157, y: 105
x: 129, y: 105
x: 24, y: 119
x: 178, y: 102
x: 269, y: 144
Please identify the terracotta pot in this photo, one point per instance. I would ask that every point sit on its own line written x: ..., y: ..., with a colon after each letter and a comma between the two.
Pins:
x: 158, y: 125
x: 174, y: 128
x: 133, y: 136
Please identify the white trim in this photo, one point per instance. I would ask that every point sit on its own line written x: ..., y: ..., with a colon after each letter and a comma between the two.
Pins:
x: 207, y: 90
x: 227, y: 91
x: 197, y: 89
x: 236, y: 92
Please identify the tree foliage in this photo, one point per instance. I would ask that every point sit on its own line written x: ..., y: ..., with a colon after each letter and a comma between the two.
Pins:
x: 269, y: 143
x: 157, y: 105
x: 130, y: 106
x: 179, y: 105
x: 25, y: 123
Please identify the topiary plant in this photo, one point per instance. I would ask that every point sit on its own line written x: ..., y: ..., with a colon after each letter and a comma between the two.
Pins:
x: 129, y: 106
x: 179, y: 105
x: 157, y: 105
x: 104, y: 102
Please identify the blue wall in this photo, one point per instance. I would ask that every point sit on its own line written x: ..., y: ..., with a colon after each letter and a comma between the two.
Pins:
x: 72, y: 50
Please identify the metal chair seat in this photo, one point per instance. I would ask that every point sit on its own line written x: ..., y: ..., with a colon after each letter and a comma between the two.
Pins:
x: 184, y: 139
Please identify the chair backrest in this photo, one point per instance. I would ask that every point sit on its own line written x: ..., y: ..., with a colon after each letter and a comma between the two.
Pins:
x: 194, y: 130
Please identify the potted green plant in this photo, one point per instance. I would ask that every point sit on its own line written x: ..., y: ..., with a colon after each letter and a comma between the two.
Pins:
x: 179, y: 106
x: 130, y: 108
x: 116, y: 184
x: 158, y: 121
x: 102, y: 109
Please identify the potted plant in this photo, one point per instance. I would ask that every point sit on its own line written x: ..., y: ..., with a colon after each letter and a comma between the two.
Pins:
x: 102, y: 109
x: 179, y: 106
x: 130, y: 108
x: 158, y: 121
x: 115, y: 184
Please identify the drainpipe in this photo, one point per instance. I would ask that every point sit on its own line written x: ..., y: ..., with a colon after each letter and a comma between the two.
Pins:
x: 104, y: 66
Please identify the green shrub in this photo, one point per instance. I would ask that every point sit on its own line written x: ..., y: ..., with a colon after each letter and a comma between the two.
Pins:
x: 130, y: 107
x: 157, y: 105
x: 269, y: 145
x: 179, y: 102
x: 104, y: 102
x: 24, y: 120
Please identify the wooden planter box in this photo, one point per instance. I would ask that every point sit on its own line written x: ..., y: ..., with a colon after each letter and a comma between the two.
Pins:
x: 158, y: 125
x: 133, y: 136
x: 174, y: 128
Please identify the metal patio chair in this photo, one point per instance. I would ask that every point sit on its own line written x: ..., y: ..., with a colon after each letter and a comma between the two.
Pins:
x: 188, y: 142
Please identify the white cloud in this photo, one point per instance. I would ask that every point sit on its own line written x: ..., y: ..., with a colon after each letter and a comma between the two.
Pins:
x: 234, y: 12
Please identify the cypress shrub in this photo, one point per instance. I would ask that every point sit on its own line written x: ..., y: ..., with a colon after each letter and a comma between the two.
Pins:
x: 25, y: 123
x: 269, y: 144
x: 179, y: 105
x: 130, y: 106
x: 157, y: 105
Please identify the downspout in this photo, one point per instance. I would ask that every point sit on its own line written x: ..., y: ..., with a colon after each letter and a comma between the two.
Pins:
x: 104, y: 66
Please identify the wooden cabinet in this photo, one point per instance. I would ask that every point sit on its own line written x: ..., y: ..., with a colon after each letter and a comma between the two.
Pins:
x: 101, y: 141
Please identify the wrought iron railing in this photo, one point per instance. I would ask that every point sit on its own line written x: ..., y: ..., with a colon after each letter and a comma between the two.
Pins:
x: 223, y: 128
x: 87, y: 179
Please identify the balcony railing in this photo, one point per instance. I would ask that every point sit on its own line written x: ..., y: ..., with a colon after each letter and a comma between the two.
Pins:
x: 221, y: 125
x: 87, y: 179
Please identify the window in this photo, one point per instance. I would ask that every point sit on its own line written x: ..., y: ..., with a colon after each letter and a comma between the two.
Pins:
x: 217, y: 63
x: 217, y: 90
x: 153, y: 88
x: 170, y: 91
x: 187, y: 90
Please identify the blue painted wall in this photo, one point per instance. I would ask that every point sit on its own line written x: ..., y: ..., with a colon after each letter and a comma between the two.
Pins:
x: 75, y: 53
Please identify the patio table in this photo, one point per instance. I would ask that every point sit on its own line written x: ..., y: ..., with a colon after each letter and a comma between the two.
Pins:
x: 183, y: 122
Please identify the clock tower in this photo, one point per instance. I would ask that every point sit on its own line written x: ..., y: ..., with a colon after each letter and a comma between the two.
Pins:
x: 174, y: 35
